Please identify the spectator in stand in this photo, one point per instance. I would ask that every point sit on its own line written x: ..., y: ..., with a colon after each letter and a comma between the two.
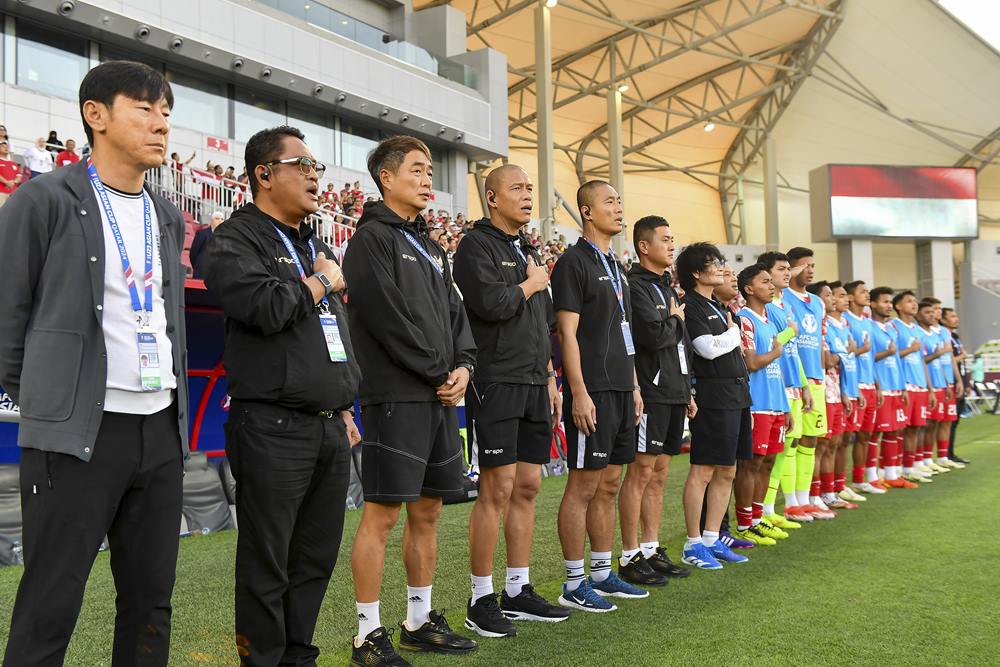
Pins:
x: 53, y: 144
x: 200, y: 244
x: 330, y: 198
x: 37, y: 159
x: 3, y: 132
x: 10, y: 173
x: 68, y: 155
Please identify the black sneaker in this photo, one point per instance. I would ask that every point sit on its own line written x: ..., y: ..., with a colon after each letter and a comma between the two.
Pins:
x: 377, y: 651
x: 639, y: 572
x: 661, y: 563
x: 530, y: 606
x: 435, y: 635
x: 486, y: 619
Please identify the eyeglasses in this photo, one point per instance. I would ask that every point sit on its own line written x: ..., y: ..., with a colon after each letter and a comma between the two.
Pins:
x: 306, y: 164
x: 717, y: 263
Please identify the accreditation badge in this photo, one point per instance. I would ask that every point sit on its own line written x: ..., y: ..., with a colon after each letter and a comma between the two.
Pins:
x: 627, y: 335
x: 149, y: 359
x: 334, y: 343
x: 682, y: 357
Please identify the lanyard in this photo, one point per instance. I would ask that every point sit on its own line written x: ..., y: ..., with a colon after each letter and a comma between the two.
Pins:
x: 716, y: 309
x: 660, y: 292
x: 519, y: 252
x: 295, y: 258
x: 423, y: 251
x: 147, y: 220
x: 615, y: 276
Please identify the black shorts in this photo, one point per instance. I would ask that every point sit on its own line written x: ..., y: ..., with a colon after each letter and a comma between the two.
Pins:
x: 720, y: 437
x: 508, y: 423
x: 613, y: 443
x: 410, y: 450
x: 661, y: 429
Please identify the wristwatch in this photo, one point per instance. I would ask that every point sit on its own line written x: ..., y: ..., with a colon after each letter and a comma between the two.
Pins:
x: 325, y: 281
x: 469, y: 367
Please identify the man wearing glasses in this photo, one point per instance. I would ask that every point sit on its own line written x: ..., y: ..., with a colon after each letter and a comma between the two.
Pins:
x: 721, y: 429
x: 292, y: 378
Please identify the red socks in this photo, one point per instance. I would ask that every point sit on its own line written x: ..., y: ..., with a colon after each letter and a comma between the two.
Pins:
x: 858, y: 472
x: 943, y: 449
x: 826, y: 482
x: 744, y: 516
x: 815, y: 487
x: 758, y: 511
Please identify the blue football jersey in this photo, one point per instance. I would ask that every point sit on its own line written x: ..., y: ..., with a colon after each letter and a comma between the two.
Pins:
x: 887, y: 369
x: 947, y: 361
x: 808, y: 312
x: 913, y: 364
x: 930, y: 342
x: 861, y: 331
x: 789, y: 360
x: 767, y: 387
x: 838, y: 338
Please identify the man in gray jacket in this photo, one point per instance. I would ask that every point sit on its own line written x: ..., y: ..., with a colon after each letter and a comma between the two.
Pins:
x: 92, y: 349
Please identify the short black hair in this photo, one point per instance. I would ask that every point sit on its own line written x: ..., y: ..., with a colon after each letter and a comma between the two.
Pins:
x: 797, y: 253
x: 878, y: 292
x: 748, y: 274
x: 135, y: 81
x: 834, y: 284
x: 769, y: 259
x: 390, y: 155
x: 694, y: 259
x: 946, y: 310
x: 853, y: 285
x: 816, y: 288
x: 933, y: 300
x: 927, y: 304
x: 645, y: 227
x: 899, y: 297
x: 265, y: 146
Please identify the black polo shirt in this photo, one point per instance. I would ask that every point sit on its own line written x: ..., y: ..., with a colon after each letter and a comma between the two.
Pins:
x: 580, y: 284
x: 723, y: 382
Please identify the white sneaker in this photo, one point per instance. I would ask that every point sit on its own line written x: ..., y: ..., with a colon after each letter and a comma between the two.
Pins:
x: 939, y: 468
x: 818, y: 502
x: 948, y: 463
x: 866, y: 487
x: 852, y: 496
x: 921, y: 469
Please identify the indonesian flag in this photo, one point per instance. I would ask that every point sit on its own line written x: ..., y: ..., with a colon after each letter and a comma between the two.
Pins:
x: 903, y: 201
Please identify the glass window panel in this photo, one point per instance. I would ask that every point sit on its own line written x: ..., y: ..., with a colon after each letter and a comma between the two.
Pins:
x: 442, y: 179
x: 199, y: 105
x: 355, y: 144
x: 256, y: 112
x: 54, y: 70
x: 318, y: 129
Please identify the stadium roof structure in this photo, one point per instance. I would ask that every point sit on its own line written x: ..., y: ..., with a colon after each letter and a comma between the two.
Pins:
x: 702, y: 82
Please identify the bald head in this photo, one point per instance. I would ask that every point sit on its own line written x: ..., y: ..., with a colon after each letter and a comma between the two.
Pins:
x: 509, y: 197
x: 600, y: 205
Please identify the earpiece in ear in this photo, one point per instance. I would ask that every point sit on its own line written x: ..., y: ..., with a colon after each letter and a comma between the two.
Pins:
x: 265, y: 175
x: 585, y: 210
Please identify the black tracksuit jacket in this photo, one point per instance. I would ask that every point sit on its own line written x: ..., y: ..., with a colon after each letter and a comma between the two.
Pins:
x: 512, y: 334
x: 407, y: 320
x: 656, y: 333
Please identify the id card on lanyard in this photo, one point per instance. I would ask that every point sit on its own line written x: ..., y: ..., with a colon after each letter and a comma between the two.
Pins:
x: 328, y: 322
x: 419, y: 247
x: 616, y: 284
x: 681, y: 350
x: 145, y: 337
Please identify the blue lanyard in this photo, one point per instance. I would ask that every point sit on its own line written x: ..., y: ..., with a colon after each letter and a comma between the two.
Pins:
x: 615, y: 276
x: 295, y: 257
x: 519, y: 252
x: 147, y: 220
x: 716, y: 309
x: 660, y: 292
x: 423, y: 251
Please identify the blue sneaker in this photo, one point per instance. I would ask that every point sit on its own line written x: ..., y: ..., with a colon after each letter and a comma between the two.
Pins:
x: 699, y: 556
x: 725, y: 554
x: 734, y: 542
x: 585, y: 599
x: 616, y: 588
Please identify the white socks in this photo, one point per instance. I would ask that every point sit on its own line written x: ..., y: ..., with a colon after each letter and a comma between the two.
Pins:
x: 802, y: 497
x: 600, y: 565
x: 368, y: 620
x: 418, y: 606
x: 627, y: 555
x: 693, y: 542
x: 649, y: 549
x: 709, y: 538
x: 768, y: 510
x: 791, y: 500
x: 517, y: 577
x: 574, y: 574
x: 481, y: 587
